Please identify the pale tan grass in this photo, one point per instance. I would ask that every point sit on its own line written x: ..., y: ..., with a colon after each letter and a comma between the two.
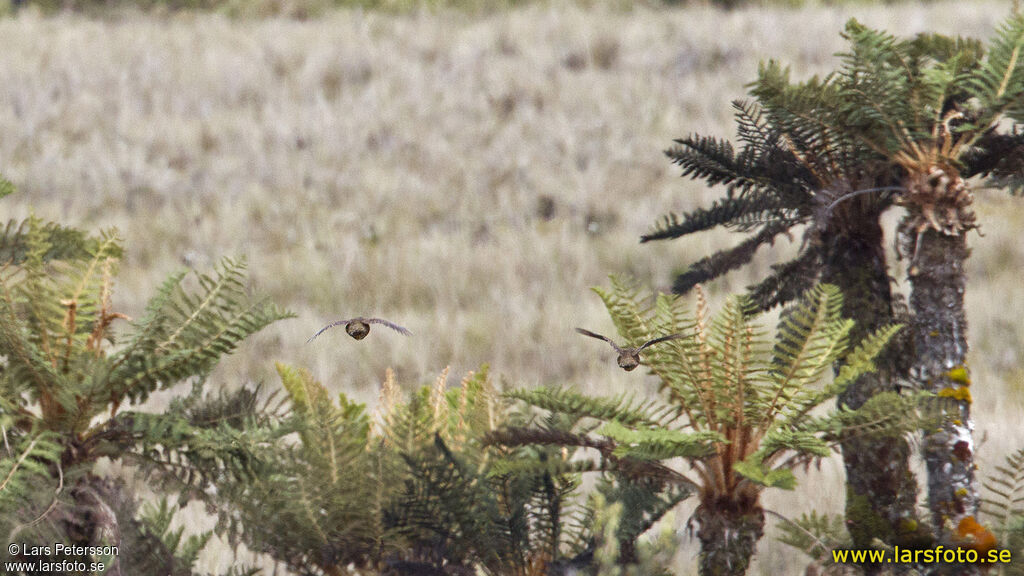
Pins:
x: 400, y: 165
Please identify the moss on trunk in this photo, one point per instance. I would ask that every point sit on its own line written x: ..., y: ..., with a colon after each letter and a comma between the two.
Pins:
x: 881, y: 489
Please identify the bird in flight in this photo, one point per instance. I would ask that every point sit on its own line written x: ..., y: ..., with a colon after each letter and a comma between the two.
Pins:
x: 629, y: 358
x: 358, y: 328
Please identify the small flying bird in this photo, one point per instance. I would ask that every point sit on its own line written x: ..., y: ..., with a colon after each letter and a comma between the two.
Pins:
x: 358, y: 328
x: 629, y: 358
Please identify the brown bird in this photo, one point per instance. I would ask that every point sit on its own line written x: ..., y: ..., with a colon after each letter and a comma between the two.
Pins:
x: 358, y: 328
x: 629, y: 358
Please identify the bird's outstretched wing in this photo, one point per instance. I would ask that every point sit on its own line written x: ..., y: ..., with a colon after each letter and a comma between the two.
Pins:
x: 660, y: 339
x: 599, y: 337
x: 392, y: 325
x: 329, y: 326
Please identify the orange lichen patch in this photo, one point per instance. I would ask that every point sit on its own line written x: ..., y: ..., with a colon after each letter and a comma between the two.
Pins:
x: 961, y: 393
x: 962, y: 451
x: 974, y: 535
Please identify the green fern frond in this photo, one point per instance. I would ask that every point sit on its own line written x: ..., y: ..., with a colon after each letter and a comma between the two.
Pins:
x: 884, y: 415
x: 63, y: 243
x: 942, y: 48
x: 800, y: 443
x: 157, y: 520
x: 856, y: 363
x: 624, y: 408
x: 628, y: 313
x: 660, y: 443
x: 318, y: 502
x: 877, y: 91
x: 706, y: 158
x: 861, y: 360
x: 811, y: 337
x: 24, y: 472
x: 999, y: 82
x: 753, y: 471
x: 1005, y: 499
x: 515, y: 436
x: 185, y: 334
x: 815, y: 534
x: 521, y: 467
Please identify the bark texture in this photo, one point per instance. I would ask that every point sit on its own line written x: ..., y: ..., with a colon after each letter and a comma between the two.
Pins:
x: 933, y: 233
x: 881, y: 489
x: 728, y: 534
x: 940, y: 337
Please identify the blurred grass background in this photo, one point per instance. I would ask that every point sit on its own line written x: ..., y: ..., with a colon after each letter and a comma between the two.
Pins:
x: 303, y: 9
x: 466, y: 173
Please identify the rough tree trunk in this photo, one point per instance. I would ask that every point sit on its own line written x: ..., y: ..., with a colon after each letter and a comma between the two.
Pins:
x: 934, y: 235
x: 940, y: 336
x: 881, y: 490
x: 728, y: 535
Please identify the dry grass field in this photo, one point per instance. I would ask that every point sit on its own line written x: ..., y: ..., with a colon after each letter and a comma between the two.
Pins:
x: 468, y: 176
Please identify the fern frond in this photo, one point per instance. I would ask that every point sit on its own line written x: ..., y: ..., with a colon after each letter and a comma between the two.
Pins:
x: 999, y: 81
x: 753, y: 471
x: 724, y: 261
x: 1000, y: 158
x: 157, y: 520
x: 787, y: 280
x: 861, y: 359
x: 63, y: 243
x: 184, y: 334
x: 811, y: 337
x: 539, y: 467
x: 815, y: 534
x: 706, y: 158
x: 628, y: 313
x: 660, y: 443
x: 742, y: 212
x: 24, y: 471
x: 1005, y: 499
x: 884, y: 415
x: 624, y: 408
x: 877, y: 92
x: 856, y: 363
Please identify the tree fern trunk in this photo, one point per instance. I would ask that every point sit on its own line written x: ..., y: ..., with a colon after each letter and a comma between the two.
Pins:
x: 881, y: 490
x: 940, y: 337
x: 728, y: 536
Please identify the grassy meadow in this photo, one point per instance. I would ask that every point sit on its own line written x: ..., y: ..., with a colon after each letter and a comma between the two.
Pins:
x: 468, y: 175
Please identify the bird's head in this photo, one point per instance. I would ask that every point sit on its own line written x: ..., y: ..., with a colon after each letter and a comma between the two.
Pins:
x: 357, y: 330
x: 628, y: 361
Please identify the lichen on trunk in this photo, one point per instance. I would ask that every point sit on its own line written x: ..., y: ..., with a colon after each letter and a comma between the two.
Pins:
x: 940, y: 337
x: 933, y: 234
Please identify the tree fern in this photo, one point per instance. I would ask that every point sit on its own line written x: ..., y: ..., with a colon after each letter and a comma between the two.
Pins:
x: 68, y: 378
x: 742, y: 405
x: 414, y: 488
